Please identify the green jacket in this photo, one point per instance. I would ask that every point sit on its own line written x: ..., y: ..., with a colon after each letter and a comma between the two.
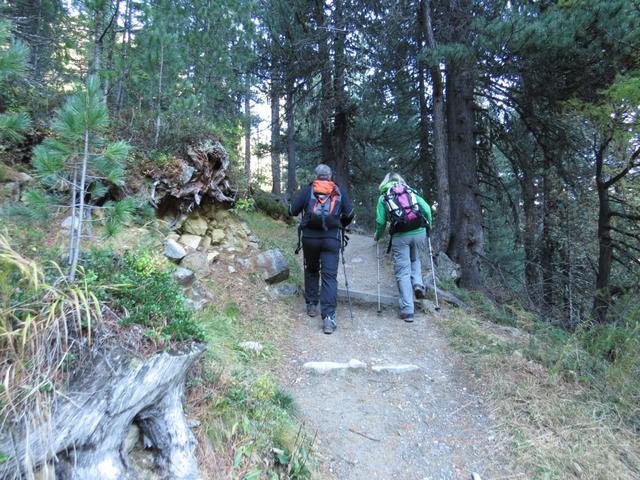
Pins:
x: 382, y: 216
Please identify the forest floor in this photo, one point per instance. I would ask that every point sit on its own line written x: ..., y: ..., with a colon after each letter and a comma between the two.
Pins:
x: 432, y: 422
x: 495, y: 391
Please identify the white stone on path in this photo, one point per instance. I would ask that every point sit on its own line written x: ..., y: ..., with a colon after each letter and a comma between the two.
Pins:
x: 251, y: 346
x: 395, y: 368
x: 324, y: 367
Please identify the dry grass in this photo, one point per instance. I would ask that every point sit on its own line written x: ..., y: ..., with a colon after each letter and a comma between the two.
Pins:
x: 554, y: 426
x: 40, y: 323
x: 44, y: 325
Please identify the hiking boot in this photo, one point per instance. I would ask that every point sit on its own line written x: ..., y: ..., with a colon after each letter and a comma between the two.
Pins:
x: 312, y: 309
x: 329, y: 324
x: 407, y: 317
x: 419, y: 292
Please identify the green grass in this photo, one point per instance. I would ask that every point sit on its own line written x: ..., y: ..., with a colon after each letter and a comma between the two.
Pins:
x: 248, y: 418
x: 142, y: 285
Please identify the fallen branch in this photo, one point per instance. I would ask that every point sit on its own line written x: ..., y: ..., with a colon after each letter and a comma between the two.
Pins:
x: 364, y: 435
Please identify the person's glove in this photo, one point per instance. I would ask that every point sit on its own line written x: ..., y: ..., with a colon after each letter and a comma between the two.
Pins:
x: 375, y: 237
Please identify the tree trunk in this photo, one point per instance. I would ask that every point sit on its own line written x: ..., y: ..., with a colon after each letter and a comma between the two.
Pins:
x: 247, y: 134
x: 548, y: 244
x: 567, y: 265
x: 97, y: 42
x: 466, y: 245
x: 275, y: 138
x: 341, y: 121
x: 601, y: 298
x: 159, y: 100
x: 442, y: 233
x: 81, y: 192
x: 126, y: 38
x: 35, y: 51
x: 74, y: 202
x: 326, y: 149
x: 106, y: 85
x: 423, y: 110
x: 529, y: 241
x: 291, y: 141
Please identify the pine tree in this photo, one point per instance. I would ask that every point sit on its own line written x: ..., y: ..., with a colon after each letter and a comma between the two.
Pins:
x: 78, y: 157
x: 13, y: 62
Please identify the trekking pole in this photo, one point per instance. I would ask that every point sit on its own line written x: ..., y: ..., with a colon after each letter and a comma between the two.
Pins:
x: 346, y: 280
x: 433, y: 272
x: 378, y: 262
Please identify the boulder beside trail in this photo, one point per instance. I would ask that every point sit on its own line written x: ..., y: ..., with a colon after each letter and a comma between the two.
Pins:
x: 12, y: 183
x: 197, y: 262
x: 195, y: 225
x: 272, y: 266
x: 190, y: 241
x: 184, y: 276
x: 446, y: 269
x: 198, y: 296
x: 217, y: 235
x: 173, y: 250
x: 69, y: 221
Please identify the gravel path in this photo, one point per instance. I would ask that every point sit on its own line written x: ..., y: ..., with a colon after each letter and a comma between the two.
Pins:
x: 426, y: 423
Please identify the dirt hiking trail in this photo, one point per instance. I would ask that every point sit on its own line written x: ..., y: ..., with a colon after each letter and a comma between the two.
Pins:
x: 423, y: 421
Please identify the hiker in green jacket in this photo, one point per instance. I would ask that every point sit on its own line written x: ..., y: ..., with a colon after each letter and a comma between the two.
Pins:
x: 410, y: 220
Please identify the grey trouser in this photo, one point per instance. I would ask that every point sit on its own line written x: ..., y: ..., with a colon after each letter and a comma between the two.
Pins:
x: 407, y: 265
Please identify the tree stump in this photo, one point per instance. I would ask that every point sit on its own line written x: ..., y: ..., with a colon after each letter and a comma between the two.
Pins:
x: 85, y: 434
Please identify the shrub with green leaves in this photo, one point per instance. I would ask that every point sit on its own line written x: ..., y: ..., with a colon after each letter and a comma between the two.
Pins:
x: 141, y: 286
x: 271, y: 206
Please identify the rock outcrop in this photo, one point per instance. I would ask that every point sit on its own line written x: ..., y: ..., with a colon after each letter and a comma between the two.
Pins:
x: 12, y: 183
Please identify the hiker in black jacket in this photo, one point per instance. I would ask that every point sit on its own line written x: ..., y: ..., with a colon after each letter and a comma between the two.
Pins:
x: 326, y: 210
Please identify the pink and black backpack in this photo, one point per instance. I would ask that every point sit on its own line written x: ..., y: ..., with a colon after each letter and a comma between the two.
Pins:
x: 402, y: 204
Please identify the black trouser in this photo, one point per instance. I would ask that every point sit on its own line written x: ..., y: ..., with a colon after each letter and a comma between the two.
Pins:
x: 321, y: 260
